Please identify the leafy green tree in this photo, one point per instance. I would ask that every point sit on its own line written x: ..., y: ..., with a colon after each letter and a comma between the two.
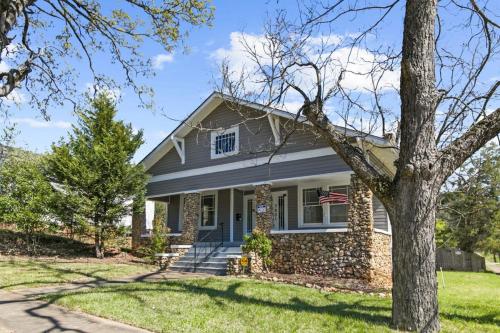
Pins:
x: 95, y: 164
x: 471, y: 210
x: 41, y: 39
x: 24, y: 196
x: 64, y: 207
x: 491, y: 244
x: 444, y: 235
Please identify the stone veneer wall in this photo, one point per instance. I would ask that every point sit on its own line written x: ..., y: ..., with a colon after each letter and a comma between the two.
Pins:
x: 382, y: 258
x: 191, y: 211
x: 327, y: 254
x: 263, y: 196
x: 360, y: 225
x: 358, y: 253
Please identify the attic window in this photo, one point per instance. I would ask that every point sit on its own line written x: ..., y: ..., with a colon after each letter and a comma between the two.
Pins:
x: 225, y: 142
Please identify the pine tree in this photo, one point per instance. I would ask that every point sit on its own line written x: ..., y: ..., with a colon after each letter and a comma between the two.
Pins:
x: 95, y: 163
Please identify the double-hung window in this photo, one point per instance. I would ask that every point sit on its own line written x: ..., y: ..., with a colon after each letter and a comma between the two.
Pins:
x: 332, y: 214
x: 339, y: 210
x: 312, y: 209
x: 208, y: 214
x: 225, y: 142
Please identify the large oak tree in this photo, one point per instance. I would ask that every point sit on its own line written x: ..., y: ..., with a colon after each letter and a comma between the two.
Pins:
x: 446, y: 95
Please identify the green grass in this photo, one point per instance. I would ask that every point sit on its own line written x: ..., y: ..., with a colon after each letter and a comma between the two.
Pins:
x: 15, y: 273
x: 469, y: 303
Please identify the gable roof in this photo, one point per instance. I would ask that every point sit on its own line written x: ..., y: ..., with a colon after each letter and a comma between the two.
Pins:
x: 213, y: 101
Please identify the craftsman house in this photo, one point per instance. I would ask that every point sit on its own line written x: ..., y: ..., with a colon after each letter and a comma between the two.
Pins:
x: 220, y: 174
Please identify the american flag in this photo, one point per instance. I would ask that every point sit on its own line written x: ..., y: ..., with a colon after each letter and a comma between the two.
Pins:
x: 331, y: 197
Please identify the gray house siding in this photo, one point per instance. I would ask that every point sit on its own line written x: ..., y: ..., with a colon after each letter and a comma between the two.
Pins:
x: 255, y: 137
x: 173, y: 214
x: 284, y: 170
x: 238, y: 210
x: 380, y: 220
x: 223, y: 211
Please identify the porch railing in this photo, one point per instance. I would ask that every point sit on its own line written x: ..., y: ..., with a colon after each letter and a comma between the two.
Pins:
x: 203, y: 250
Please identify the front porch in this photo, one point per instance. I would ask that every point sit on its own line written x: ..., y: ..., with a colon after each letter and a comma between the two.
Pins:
x: 335, y: 239
x: 227, y: 214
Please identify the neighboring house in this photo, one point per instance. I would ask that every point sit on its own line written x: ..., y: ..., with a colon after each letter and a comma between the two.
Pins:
x: 216, y: 176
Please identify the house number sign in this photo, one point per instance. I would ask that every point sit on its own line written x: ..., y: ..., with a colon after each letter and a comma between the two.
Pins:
x: 261, y: 209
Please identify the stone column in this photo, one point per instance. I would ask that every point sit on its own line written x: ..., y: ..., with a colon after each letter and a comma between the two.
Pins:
x: 360, y: 223
x: 263, y: 197
x: 191, y: 213
x: 138, y: 223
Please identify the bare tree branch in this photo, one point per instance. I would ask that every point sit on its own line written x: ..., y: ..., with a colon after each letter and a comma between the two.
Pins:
x: 454, y: 155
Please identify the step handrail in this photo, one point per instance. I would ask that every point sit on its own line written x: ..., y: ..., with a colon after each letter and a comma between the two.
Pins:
x: 208, y: 250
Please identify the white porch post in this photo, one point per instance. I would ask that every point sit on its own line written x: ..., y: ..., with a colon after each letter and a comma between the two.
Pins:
x: 150, y: 214
x: 231, y: 215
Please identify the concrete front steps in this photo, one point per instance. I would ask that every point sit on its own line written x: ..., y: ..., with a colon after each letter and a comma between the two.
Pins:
x: 215, y: 264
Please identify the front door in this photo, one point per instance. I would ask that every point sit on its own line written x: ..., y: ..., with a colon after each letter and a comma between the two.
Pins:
x: 248, y: 214
x: 280, y: 210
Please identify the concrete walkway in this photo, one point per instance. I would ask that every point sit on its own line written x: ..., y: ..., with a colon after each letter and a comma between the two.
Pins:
x: 21, y: 312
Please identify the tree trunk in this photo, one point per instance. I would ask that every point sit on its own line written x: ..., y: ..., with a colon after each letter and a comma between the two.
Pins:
x: 99, y: 248
x: 414, y: 293
x: 416, y: 186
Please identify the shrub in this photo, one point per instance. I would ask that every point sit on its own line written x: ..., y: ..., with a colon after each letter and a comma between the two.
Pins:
x: 260, y: 244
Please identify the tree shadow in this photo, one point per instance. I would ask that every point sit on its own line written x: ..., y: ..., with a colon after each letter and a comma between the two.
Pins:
x: 359, y: 309
x: 492, y: 317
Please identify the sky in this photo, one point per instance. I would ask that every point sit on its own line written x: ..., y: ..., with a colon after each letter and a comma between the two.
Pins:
x: 183, y: 78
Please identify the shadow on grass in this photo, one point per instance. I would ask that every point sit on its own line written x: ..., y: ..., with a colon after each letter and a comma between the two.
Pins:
x: 36, y: 305
x: 459, y: 314
x: 358, y: 309
x: 57, y: 275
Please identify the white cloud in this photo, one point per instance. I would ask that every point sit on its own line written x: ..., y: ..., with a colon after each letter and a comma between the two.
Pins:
x: 357, y: 62
x: 159, y: 60
x: 35, y: 123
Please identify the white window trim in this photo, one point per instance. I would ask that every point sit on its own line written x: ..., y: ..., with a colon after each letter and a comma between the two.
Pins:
x: 308, y: 231
x: 326, y: 209
x: 216, y: 204
x: 181, y: 211
x: 277, y: 194
x: 214, y: 134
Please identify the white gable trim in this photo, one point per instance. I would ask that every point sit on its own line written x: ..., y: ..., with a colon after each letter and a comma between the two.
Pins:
x: 274, y: 122
x: 180, y: 146
x: 211, y: 103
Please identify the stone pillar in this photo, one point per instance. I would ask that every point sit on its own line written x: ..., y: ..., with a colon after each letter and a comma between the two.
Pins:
x: 138, y: 222
x: 191, y: 213
x: 360, y: 223
x: 263, y: 197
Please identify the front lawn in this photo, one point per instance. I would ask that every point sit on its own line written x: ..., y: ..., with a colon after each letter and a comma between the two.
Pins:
x: 19, y: 273
x: 469, y: 303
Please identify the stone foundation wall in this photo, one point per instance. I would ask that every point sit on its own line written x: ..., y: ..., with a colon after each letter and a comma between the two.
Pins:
x: 382, y: 259
x: 360, y: 253
x: 326, y: 254
x: 234, y: 266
